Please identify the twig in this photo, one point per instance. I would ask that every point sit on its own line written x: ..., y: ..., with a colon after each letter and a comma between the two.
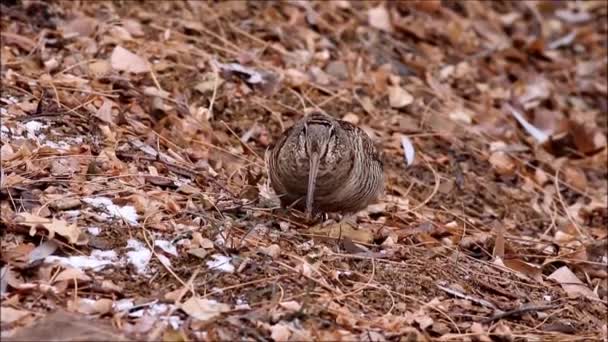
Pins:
x: 523, y: 309
x: 459, y: 294
x: 561, y: 201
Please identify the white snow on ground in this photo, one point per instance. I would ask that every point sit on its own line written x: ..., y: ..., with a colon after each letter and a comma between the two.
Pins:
x: 127, y: 212
x: 221, y: 262
x: 96, y: 261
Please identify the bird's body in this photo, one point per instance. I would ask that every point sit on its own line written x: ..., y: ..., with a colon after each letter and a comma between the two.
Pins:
x: 325, y: 164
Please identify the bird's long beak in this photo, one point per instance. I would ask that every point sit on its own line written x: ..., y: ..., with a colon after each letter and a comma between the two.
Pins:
x: 312, y: 180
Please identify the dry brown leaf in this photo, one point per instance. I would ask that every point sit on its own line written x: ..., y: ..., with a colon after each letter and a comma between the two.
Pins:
x: 399, y: 97
x: 80, y: 26
x: 10, y: 315
x: 125, y: 60
x: 573, y: 286
x: 203, y: 309
x: 64, y: 326
x: 45, y: 249
x: 379, y: 18
x: 104, y: 113
x: 90, y: 306
x: 341, y: 229
x: 291, y: 306
x: 522, y: 267
x: 280, y: 332
x: 272, y: 251
x: 502, y: 163
x: 70, y: 274
x: 54, y: 226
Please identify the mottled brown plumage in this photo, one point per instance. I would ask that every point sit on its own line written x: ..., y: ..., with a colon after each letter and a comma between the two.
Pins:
x: 325, y: 164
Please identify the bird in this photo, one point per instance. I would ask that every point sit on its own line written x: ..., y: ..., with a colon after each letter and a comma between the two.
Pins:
x: 323, y: 164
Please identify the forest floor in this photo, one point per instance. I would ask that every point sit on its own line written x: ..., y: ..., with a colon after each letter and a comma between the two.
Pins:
x: 134, y: 197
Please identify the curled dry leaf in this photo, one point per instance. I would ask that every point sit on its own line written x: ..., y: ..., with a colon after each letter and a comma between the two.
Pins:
x: 522, y: 268
x: 272, y: 251
x: 539, y: 135
x: 408, y: 150
x: 268, y: 198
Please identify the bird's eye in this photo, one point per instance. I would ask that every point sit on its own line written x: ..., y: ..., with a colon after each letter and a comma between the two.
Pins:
x: 332, y: 131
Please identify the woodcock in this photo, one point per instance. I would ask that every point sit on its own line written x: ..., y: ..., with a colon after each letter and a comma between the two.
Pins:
x: 322, y: 164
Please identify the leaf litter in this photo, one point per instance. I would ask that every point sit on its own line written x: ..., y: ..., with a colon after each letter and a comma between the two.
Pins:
x: 135, y: 205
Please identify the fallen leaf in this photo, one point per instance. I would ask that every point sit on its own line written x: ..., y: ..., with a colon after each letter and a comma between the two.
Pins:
x: 399, y: 97
x: 522, y: 267
x: 378, y: 17
x: 10, y: 315
x: 272, y: 251
x: 502, y: 163
x: 80, y: 26
x: 53, y: 226
x: 291, y: 306
x: 104, y: 113
x: 90, y: 306
x: 203, y: 309
x: 461, y: 115
x: 408, y: 150
x: 45, y: 249
x: 530, y: 93
x: 539, y: 135
x: 341, y: 229
x: 64, y: 326
x: 280, y: 332
x: 125, y: 60
x: 72, y: 273
x: 571, y: 284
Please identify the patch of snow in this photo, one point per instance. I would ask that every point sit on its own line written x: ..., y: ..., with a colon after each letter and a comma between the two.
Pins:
x: 164, y: 260
x: 110, y: 254
x: 140, y: 256
x: 174, y: 321
x: 72, y: 213
x: 62, y: 145
x: 96, y: 261
x: 166, y: 246
x: 33, y: 127
x: 123, y: 304
x: 154, y: 309
x: 220, y: 241
x: 158, y: 309
x: 94, y: 230
x: 127, y: 212
x: 221, y: 262
x: 4, y: 131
